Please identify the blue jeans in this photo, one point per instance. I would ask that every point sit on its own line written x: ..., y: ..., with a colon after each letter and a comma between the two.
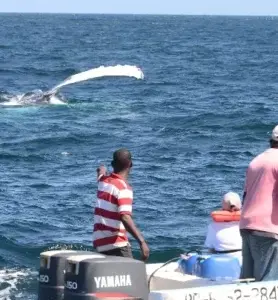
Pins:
x: 259, y: 257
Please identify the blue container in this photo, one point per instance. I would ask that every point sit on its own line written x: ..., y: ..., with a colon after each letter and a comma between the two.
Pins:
x: 197, y: 271
x: 218, y: 267
x: 187, y: 263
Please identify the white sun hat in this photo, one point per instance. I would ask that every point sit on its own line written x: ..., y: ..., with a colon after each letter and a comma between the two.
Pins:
x: 231, y: 199
x: 274, y: 135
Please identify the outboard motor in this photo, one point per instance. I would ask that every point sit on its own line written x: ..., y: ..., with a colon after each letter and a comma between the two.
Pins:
x: 52, y: 272
x: 105, y: 277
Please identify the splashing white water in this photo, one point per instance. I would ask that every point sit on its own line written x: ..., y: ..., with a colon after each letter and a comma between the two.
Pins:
x: 9, y: 279
x: 49, y: 97
x: 32, y: 98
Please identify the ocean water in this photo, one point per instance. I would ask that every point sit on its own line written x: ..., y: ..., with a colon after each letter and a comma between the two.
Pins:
x: 206, y: 106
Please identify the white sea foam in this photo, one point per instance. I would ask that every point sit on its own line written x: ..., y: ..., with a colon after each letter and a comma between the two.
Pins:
x: 9, y: 280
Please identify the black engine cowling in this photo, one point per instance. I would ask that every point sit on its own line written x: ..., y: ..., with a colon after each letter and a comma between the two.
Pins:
x: 52, y: 273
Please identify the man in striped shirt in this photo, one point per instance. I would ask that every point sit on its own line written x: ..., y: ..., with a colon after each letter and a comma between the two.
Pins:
x: 113, y: 210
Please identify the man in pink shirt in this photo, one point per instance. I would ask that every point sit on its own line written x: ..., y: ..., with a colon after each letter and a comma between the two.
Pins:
x: 259, y: 216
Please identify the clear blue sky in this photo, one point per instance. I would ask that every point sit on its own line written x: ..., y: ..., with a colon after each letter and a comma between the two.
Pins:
x: 227, y: 7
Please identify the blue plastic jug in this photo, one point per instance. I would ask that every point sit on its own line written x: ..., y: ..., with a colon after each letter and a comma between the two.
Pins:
x: 218, y: 267
x: 187, y: 263
x: 199, y: 262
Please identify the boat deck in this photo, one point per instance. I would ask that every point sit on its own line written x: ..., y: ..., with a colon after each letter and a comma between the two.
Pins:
x: 170, y: 278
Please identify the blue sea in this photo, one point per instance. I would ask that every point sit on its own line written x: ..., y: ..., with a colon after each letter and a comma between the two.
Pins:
x: 206, y: 107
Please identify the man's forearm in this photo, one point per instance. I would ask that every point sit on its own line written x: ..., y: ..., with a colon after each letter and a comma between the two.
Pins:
x: 99, y: 175
x: 132, y: 229
x: 101, y: 171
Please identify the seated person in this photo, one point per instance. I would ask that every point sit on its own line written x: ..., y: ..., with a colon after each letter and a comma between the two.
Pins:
x: 223, y: 234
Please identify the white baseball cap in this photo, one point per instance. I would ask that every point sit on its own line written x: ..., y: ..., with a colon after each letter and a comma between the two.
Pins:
x: 231, y: 199
x: 274, y: 135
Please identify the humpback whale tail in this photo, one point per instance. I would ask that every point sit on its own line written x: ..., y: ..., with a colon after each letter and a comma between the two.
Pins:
x: 49, y: 97
x: 102, y: 71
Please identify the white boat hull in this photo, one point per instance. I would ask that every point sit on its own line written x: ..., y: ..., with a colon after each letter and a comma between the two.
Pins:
x: 170, y: 284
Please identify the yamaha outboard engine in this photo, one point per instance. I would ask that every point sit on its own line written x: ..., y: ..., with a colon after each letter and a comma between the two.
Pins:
x: 105, y: 277
x: 52, y: 273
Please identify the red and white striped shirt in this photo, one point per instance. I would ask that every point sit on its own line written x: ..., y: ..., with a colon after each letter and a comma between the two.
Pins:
x: 114, y: 198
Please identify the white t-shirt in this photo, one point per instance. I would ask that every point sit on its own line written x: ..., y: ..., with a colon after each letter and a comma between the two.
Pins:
x: 222, y: 236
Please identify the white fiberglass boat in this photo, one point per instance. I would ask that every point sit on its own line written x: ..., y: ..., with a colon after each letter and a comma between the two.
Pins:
x: 169, y: 283
x: 84, y: 275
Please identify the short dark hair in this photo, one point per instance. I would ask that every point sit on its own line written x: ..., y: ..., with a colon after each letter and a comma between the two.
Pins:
x: 122, y: 160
